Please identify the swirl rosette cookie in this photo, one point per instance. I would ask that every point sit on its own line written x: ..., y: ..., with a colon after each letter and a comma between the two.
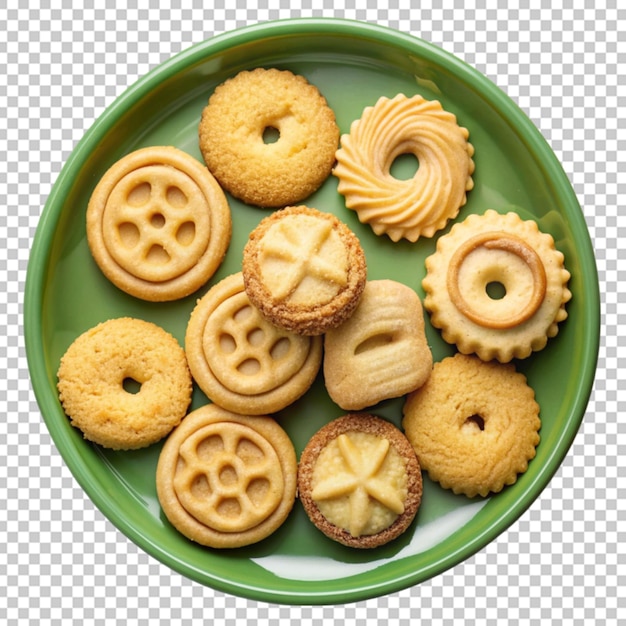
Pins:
x: 496, y: 286
x: 423, y: 204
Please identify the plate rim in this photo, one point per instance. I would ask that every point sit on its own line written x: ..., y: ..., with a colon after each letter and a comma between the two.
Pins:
x: 52, y: 211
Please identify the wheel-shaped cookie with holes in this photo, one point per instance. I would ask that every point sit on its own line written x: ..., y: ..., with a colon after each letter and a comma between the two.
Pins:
x: 240, y: 360
x: 158, y: 224
x: 226, y: 480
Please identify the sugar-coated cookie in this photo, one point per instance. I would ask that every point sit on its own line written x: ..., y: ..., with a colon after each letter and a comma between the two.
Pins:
x: 233, y: 129
x: 304, y: 269
x: 125, y: 383
x: 359, y: 481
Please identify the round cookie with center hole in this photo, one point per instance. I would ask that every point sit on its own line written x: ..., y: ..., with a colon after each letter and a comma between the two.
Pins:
x: 124, y: 383
x: 269, y: 137
x: 496, y: 286
x: 474, y: 424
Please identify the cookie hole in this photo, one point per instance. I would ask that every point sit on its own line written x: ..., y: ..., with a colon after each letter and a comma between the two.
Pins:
x: 271, y: 135
x: 186, y: 233
x: 200, y: 486
x: 280, y: 349
x: 404, y: 166
x: 209, y: 446
x: 228, y: 475
x: 129, y: 234
x: 475, y: 421
x: 227, y: 343
x: 157, y: 255
x: 157, y: 220
x: 249, y: 452
x: 229, y: 508
x: 372, y: 343
x: 131, y: 385
x: 241, y: 314
x: 249, y: 367
x: 139, y: 195
x: 495, y: 290
x: 255, y: 337
x: 258, y: 490
x: 176, y: 197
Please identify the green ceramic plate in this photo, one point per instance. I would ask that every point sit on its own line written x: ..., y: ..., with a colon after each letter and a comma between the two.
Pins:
x: 353, y: 64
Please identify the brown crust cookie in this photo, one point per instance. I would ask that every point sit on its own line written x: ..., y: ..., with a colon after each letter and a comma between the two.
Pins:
x: 93, y: 372
x: 231, y: 137
x: 418, y: 206
x: 226, y: 480
x: 381, y: 351
x: 387, y: 473
x: 474, y: 424
x: 240, y: 360
x: 305, y: 270
x: 158, y: 224
x: 496, y: 249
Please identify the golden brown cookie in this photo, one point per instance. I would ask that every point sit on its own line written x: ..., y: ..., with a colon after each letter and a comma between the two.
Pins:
x: 305, y: 270
x: 119, y: 354
x: 422, y: 204
x: 226, y: 480
x: 240, y: 360
x: 158, y: 224
x: 381, y: 351
x: 474, y: 424
x: 359, y: 481
x: 238, y: 116
x: 501, y: 251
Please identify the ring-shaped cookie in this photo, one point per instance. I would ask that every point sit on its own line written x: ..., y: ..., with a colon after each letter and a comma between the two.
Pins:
x: 473, y: 424
x: 508, y: 243
x: 504, y: 251
x: 226, y: 480
x: 236, y: 121
x: 125, y: 383
x: 240, y: 360
x: 422, y: 204
x: 158, y: 224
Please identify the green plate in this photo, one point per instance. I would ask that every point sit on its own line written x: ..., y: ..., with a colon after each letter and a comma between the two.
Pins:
x: 353, y: 64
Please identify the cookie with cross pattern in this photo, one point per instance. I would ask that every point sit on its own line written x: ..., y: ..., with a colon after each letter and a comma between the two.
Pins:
x: 304, y: 269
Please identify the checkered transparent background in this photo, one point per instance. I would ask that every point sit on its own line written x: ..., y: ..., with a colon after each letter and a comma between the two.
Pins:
x: 62, y: 562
